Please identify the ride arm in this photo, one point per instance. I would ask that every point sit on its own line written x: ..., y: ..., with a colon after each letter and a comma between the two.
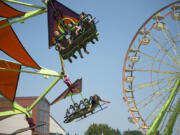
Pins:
x: 17, y: 110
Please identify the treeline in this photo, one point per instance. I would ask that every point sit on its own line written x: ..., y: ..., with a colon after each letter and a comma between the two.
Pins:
x: 104, y: 129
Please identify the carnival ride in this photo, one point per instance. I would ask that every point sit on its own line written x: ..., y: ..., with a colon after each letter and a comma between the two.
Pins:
x: 79, y: 110
x: 59, y: 16
x: 151, y: 76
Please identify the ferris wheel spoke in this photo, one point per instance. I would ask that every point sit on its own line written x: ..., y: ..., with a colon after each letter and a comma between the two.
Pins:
x: 171, y: 39
x: 156, y: 71
x: 156, y: 59
x: 163, y: 49
x: 178, y: 30
x: 156, y: 82
x: 156, y: 109
x: 154, y: 94
x: 152, y: 113
x: 153, y: 97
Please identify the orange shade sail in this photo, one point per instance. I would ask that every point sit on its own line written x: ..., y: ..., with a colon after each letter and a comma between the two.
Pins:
x: 8, y: 12
x: 10, y: 44
x: 9, y: 79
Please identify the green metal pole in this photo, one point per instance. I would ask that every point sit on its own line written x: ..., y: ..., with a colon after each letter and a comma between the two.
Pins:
x: 82, y: 96
x: 173, y: 118
x: 72, y: 100
x: 24, y: 4
x: 17, y: 110
x: 26, y: 16
x: 62, y: 63
x: 41, y: 72
x: 43, y: 94
x: 44, y: 2
x: 160, y: 116
x: 8, y: 113
x: 21, y: 109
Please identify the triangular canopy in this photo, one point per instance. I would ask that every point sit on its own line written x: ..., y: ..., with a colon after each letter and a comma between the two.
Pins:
x: 8, y: 12
x: 75, y: 88
x: 8, y: 79
x: 56, y: 12
x: 10, y: 44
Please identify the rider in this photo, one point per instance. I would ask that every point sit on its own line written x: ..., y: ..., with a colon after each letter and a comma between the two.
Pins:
x: 95, y: 101
x: 67, y: 80
x: 84, y: 24
x: 73, y: 30
x: 61, y: 43
x: 69, y: 83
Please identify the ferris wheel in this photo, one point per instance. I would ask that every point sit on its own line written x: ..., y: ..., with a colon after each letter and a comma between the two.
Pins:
x: 151, y: 76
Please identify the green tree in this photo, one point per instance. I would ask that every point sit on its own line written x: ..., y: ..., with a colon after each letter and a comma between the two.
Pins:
x: 133, y: 132
x: 101, y: 129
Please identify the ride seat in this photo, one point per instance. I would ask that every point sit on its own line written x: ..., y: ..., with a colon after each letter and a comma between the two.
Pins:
x: 134, y: 59
x: 128, y: 90
x: 159, y: 26
x: 130, y: 79
x: 175, y: 16
x: 144, y: 40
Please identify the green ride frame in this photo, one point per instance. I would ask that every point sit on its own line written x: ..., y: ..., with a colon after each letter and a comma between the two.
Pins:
x: 38, y: 11
x: 17, y: 109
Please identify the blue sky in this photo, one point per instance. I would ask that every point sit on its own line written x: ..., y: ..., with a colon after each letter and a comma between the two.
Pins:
x: 101, y: 70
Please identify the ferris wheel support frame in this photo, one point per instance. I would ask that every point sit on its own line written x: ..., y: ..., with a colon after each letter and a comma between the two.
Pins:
x: 173, y: 119
x: 160, y: 116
